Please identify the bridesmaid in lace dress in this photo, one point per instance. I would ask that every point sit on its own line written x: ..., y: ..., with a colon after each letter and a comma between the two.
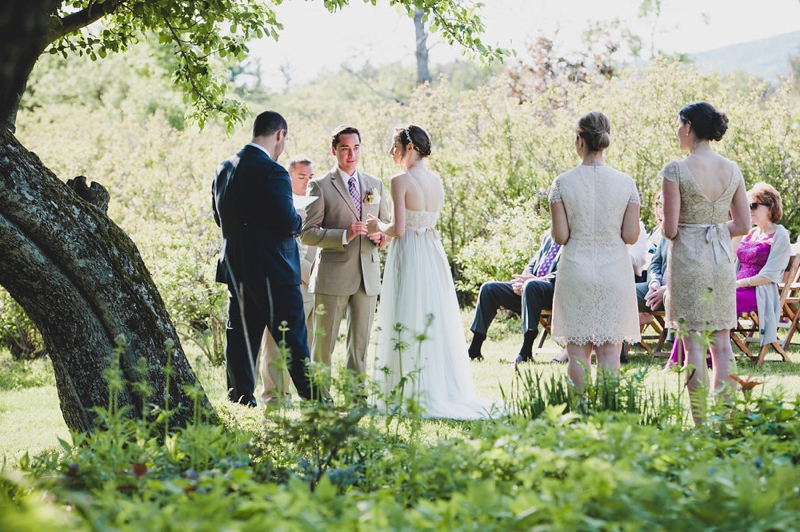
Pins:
x: 595, y: 211
x: 763, y: 255
x: 699, y: 192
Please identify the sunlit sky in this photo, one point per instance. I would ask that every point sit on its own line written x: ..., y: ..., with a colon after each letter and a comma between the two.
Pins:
x: 314, y: 40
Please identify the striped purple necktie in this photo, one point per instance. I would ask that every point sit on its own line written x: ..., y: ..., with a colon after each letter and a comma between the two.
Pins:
x: 351, y: 185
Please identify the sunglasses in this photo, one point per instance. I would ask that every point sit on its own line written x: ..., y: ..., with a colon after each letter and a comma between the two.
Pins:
x: 754, y: 206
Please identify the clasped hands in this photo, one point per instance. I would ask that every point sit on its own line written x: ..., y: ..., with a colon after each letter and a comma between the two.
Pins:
x: 518, y: 281
x: 370, y: 229
x: 654, y: 298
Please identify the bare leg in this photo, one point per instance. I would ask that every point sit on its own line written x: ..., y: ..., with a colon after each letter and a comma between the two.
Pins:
x: 579, y: 363
x: 607, y: 359
x: 723, y: 363
x: 697, y: 376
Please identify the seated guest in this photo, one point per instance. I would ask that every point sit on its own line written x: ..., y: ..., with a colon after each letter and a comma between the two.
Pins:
x: 527, y: 293
x: 650, y: 294
x: 654, y: 285
x: 762, y: 257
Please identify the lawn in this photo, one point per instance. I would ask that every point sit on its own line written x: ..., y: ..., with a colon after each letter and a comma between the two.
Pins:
x: 32, y: 421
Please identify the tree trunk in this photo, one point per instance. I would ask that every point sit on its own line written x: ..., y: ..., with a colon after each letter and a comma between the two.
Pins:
x: 82, y: 281
x: 423, y: 74
x: 24, y: 30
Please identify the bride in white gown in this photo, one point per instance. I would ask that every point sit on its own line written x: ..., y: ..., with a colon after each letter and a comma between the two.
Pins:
x: 420, y: 334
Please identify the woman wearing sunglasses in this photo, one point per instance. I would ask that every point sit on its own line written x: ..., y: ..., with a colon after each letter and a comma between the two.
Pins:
x: 762, y: 257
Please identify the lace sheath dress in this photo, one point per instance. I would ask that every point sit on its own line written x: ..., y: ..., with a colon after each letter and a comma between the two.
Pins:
x: 701, y: 286
x: 595, y: 296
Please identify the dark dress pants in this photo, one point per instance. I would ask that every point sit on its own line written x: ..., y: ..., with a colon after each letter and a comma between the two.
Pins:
x: 641, y: 291
x: 537, y: 295
x: 260, y: 310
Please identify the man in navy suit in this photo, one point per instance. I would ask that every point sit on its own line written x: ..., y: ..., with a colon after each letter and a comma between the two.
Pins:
x: 527, y: 293
x: 259, y: 260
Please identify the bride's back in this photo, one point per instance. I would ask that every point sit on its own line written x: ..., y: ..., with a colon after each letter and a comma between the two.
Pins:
x: 425, y: 191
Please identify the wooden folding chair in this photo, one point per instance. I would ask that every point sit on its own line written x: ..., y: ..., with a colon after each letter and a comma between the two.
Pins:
x: 545, y: 322
x: 790, y: 297
x: 658, y: 334
x: 746, y: 332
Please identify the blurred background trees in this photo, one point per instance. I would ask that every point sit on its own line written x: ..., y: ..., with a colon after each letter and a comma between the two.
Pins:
x: 500, y: 137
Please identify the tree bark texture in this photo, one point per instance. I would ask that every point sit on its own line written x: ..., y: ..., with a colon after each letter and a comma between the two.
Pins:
x: 423, y: 74
x: 82, y: 281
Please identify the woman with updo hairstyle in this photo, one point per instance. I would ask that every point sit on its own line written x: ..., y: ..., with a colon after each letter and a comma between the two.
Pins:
x: 761, y: 258
x: 418, y: 304
x: 699, y: 193
x: 418, y: 138
x: 595, y: 213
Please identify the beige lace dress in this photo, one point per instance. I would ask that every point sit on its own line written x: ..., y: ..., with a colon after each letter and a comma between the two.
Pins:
x: 701, y: 277
x: 595, y: 295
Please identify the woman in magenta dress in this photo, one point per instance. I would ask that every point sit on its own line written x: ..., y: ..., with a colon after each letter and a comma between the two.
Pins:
x: 762, y: 256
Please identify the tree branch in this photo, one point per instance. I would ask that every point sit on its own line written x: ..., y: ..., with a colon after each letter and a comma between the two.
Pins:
x: 80, y: 19
x: 368, y: 85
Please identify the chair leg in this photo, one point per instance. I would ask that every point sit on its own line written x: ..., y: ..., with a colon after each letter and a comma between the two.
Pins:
x: 741, y: 345
x: 777, y: 347
x: 792, y: 330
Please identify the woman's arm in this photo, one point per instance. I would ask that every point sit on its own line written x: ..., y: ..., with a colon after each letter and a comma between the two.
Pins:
x: 397, y: 227
x: 740, y: 213
x: 631, y: 224
x: 559, y: 229
x: 672, y: 208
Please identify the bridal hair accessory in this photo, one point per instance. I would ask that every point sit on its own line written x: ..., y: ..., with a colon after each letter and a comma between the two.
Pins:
x: 371, y: 195
x: 408, y: 136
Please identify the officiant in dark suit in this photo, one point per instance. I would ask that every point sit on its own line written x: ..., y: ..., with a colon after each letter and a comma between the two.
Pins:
x: 527, y: 293
x: 259, y: 260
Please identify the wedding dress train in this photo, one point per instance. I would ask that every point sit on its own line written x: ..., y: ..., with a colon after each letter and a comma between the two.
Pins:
x: 420, y: 335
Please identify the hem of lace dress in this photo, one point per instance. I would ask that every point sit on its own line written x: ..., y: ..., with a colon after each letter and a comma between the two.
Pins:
x: 583, y: 340
x: 706, y: 327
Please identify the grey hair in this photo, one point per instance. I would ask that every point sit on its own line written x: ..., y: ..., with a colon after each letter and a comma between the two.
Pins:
x: 298, y: 159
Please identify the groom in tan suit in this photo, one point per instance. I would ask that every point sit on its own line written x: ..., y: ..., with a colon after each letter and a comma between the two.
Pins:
x: 346, y: 274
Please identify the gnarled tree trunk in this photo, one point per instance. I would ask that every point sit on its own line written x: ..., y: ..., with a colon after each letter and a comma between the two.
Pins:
x: 82, y: 281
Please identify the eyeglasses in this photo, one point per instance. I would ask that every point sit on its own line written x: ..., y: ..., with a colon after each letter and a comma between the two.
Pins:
x: 754, y: 205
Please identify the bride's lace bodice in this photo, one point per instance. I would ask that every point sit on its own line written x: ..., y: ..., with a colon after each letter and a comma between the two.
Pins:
x: 421, y: 219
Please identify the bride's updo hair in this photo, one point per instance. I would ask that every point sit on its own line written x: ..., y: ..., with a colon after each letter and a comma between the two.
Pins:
x: 595, y: 130
x: 707, y: 122
x: 417, y: 136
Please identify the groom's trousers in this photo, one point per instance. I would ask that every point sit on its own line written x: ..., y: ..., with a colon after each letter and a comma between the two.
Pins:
x: 537, y: 295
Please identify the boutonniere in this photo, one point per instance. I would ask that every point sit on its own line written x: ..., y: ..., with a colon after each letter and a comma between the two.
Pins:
x: 371, y: 196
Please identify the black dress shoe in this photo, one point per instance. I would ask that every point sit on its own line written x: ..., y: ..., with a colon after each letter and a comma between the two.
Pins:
x: 522, y: 358
x: 475, y: 355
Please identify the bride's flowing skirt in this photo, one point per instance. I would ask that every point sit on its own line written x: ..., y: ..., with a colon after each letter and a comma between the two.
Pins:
x: 420, y: 334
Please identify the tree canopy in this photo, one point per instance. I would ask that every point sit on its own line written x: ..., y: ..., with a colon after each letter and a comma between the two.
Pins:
x: 204, y: 35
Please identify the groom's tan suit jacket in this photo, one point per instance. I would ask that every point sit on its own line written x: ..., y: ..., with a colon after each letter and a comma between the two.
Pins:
x: 340, y: 269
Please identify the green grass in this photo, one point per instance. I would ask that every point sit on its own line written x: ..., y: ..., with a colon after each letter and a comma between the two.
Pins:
x: 32, y: 421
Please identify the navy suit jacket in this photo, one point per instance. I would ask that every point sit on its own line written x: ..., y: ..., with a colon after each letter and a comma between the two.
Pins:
x: 252, y: 199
